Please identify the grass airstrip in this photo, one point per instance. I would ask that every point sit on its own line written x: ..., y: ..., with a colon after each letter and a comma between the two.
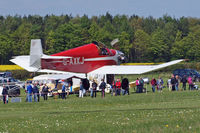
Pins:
x: 151, y: 112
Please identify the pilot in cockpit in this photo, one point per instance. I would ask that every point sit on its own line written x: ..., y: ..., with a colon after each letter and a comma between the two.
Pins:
x: 104, y: 51
x: 101, y: 47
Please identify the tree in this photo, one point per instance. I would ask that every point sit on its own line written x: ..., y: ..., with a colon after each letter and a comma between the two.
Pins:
x: 159, y: 50
x: 21, y: 38
x: 5, y: 49
x: 67, y: 36
x: 85, y: 22
x: 183, y: 25
x: 124, y: 43
x: 149, y: 24
x: 140, y: 46
x: 177, y: 50
x: 193, y: 52
x: 94, y: 32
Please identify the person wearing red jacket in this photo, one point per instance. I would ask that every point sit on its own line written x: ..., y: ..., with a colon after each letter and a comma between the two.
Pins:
x: 118, y: 86
x: 153, y: 84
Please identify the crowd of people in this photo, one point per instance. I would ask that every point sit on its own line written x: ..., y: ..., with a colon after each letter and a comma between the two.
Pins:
x: 173, y: 83
x: 157, y: 84
x: 34, y: 90
x: 117, y: 88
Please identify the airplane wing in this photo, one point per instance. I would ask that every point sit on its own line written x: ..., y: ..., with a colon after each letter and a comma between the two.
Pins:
x: 132, y: 69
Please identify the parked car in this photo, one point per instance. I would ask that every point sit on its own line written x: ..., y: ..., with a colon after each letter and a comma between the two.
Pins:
x: 188, y: 72
x: 12, y: 81
x: 13, y: 90
x: 5, y: 74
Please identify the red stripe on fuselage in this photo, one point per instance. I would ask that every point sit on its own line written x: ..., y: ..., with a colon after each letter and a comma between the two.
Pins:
x: 82, y: 67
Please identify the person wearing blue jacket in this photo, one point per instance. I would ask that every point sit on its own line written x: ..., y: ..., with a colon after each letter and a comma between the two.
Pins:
x: 63, y: 91
x: 29, y: 91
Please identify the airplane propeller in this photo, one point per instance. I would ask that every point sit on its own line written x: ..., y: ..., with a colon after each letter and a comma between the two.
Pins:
x: 121, y: 56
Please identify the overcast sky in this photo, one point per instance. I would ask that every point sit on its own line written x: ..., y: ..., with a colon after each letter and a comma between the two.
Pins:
x: 142, y: 8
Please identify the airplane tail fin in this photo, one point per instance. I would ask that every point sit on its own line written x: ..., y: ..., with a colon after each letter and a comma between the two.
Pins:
x: 35, y: 53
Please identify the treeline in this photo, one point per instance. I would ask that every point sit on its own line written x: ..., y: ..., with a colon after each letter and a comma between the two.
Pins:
x: 141, y: 39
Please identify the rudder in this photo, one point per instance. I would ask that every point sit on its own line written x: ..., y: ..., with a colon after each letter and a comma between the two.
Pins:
x: 36, y: 53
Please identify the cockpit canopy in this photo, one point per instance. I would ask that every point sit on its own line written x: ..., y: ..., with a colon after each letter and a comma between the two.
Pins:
x: 103, y: 50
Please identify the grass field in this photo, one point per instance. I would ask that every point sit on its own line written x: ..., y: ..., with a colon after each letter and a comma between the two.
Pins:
x: 151, y: 112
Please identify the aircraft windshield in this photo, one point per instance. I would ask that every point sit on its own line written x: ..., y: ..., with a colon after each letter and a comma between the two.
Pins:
x: 103, y: 49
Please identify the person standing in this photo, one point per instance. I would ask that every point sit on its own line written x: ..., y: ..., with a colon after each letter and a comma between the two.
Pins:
x: 94, y: 89
x: 45, y: 91
x: 141, y: 85
x: 102, y: 87
x: 190, y: 83
x: 177, y: 82
x: 169, y: 84
x: 153, y: 84
x: 173, y: 82
x: 137, y: 85
x: 26, y: 84
x: 113, y: 88
x: 38, y: 92
x: 125, y: 86
x: 29, y: 92
x: 184, y: 81
x: 86, y: 86
x: 68, y: 88
x: 160, y: 84
x: 81, y: 90
x: 63, y: 91
x: 5, y: 94
x: 40, y: 89
x: 35, y: 92
x: 118, y: 87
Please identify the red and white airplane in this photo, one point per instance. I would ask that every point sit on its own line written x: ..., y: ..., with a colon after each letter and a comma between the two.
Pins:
x: 89, y: 58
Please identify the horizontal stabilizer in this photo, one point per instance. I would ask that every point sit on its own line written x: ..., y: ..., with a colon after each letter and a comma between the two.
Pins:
x: 23, y: 61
